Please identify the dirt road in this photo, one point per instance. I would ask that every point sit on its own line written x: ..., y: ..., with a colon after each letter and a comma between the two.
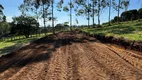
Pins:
x: 71, y: 57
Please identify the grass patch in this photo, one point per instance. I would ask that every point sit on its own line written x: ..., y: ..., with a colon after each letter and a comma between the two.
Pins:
x: 129, y: 30
x: 9, y: 45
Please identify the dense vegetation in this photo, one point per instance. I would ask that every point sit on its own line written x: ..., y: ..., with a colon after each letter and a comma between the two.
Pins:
x: 129, y: 15
x: 24, y: 26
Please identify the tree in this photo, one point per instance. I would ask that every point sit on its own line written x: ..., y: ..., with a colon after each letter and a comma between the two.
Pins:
x: 121, y: 5
x: 110, y: 5
x: 52, y: 5
x: 4, y: 18
x: 4, y: 28
x: 88, y: 10
x: 94, y: 4
x: 101, y: 4
x: 35, y: 8
x: 140, y: 13
x: 85, y: 9
x: 125, y: 4
x: 1, y: 12
x: 1, y: 9
x: 39, y: 8
x: 130, y: 15
x: 24, y: 25
x: 67, y: 8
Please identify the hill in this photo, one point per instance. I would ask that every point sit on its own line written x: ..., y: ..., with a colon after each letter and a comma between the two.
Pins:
x: 131, y: 30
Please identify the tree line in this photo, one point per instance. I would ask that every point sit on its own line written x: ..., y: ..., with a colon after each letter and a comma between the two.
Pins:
x: 34, y: 10
x: 129, y: 15
x: 4, y: 26
x: 88, y: 8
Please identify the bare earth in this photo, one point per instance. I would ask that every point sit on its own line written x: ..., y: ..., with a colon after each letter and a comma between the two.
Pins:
x: 70, y: 56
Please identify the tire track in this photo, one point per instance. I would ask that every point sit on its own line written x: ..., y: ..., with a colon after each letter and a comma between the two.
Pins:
x: 57, y: 66
x: 89, y: 69
x: 130, y: 57
x: 114, y: 62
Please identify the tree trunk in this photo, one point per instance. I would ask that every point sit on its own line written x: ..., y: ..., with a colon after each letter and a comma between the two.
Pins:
x: 88, y: 15
x: 53, y: 16
x: 44, y: 19
x: 99, y: 5
x: 70, y: 15
x: 118, y: 11
x: 37, y: 21
x: 93, y: 14
x: 109, y: 12
x: 88, y: 22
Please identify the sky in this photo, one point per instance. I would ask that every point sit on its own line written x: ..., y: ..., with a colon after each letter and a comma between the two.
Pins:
x: 11, y: 10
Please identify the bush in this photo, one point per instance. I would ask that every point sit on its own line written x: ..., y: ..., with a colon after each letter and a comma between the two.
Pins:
x: 129, y: 15
x: 140, y: 13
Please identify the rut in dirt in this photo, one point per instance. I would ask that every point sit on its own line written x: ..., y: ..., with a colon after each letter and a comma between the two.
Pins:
x: 71, y: 56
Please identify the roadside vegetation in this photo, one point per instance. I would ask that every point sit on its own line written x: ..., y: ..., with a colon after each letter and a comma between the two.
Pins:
x: 128, y: 30
x: 9, y: 45
x: 128, y: 26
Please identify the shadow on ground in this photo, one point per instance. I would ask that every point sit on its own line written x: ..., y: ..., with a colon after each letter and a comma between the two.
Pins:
x: 37, y: 51
x: 9, y: 49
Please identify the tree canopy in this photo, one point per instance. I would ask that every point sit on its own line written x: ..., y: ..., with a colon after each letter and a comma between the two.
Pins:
x: 24, y: 25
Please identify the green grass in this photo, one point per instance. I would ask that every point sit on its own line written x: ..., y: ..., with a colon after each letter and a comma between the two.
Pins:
x: 9, y: 45
x: 129, y: 30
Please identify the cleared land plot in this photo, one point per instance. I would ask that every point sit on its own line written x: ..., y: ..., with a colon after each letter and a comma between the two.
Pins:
x: 70, y: 56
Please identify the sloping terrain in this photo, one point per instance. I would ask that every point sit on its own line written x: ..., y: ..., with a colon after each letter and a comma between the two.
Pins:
x: 71, y: 56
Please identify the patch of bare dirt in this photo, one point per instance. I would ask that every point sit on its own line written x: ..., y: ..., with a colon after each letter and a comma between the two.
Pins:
x: 71, y: 56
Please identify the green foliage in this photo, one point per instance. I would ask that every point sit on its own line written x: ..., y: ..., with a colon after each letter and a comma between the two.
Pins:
x: 4, y: 18
x: 66, y: 9
x: 129, y: 30
x: 62, y: 27
x: 140, y: 13
x: 1, y: 12
x: 4, y: 28
x: 24, y: 25
x: 10, y: 45
x: 129, y: 15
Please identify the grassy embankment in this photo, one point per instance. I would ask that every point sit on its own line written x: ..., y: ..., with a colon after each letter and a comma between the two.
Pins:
x: 9, y: 45
x: 128, y: 30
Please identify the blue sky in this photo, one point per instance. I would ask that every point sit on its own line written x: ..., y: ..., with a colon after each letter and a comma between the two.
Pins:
x: 11, y: 9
